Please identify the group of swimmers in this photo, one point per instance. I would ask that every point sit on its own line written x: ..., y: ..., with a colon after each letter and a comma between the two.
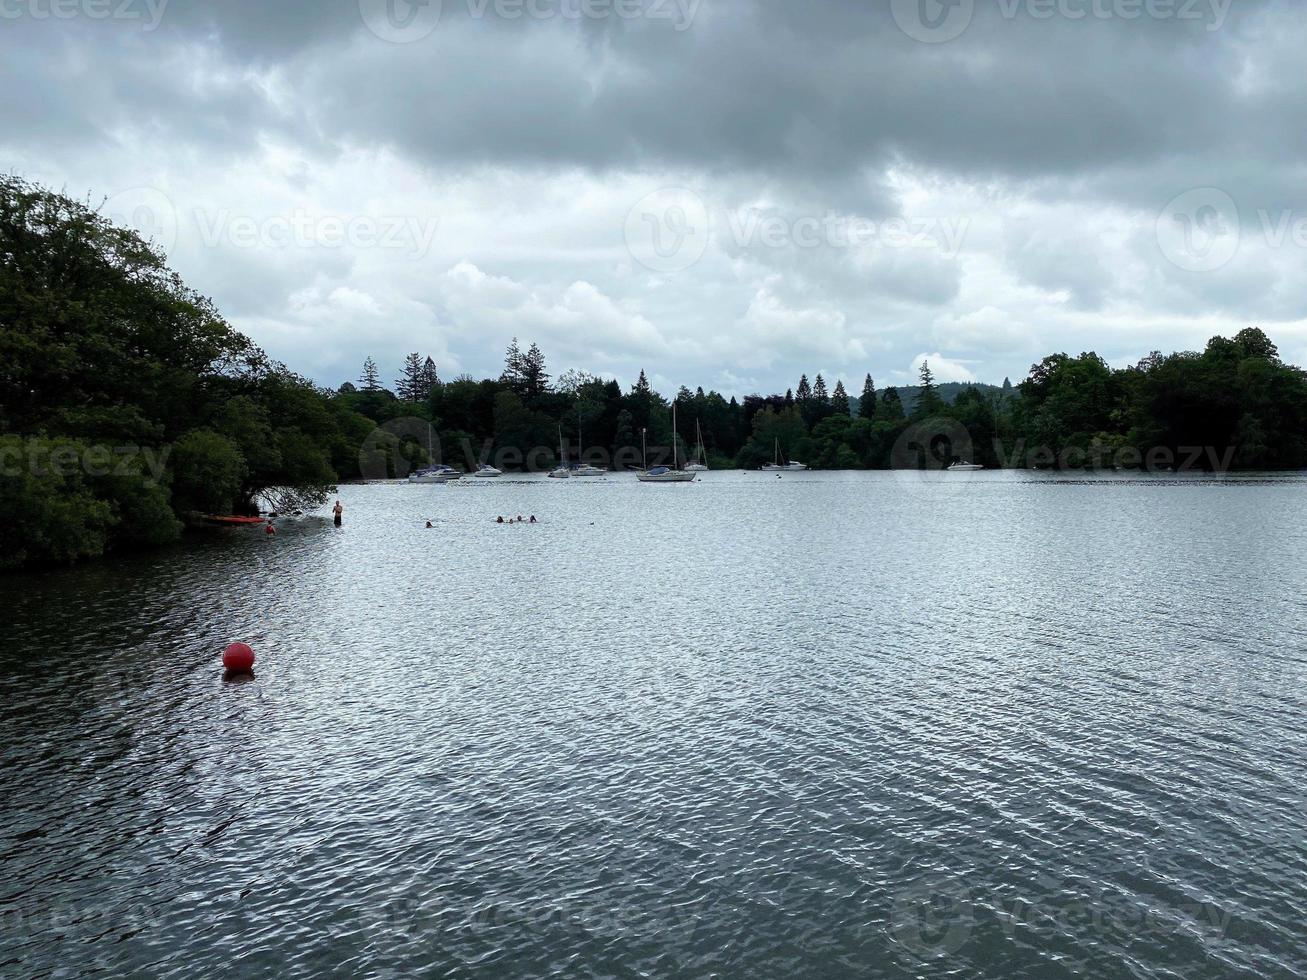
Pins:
x: 519, y: 519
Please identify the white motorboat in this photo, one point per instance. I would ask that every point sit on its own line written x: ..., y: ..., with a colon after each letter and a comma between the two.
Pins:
x: 700, y: 464
x: 793, y: 466
x: 962, y: 466
x: 585, y: 469
x: 435, y: 474
x: 486, y: 472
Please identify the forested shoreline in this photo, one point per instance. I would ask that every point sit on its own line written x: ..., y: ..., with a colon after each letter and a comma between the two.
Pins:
x: 128, y: 405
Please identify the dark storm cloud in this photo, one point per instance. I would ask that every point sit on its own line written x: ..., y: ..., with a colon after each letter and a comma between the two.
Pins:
x: 1056, y: 130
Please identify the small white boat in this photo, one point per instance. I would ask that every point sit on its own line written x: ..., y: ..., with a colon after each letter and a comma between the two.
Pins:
x: 435, y: 474
x: 793, y: 466
x: 700, y: 464
x: 563, y: 472
x: 485, y: 472
x: 964, y: 467
x: 583, y: 468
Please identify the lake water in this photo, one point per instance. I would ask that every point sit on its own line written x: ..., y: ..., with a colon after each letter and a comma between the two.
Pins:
x: 851, y: 724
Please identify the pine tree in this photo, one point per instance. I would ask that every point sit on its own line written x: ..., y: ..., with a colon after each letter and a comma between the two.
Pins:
x: 819, y: 393
x: 928, y: 402
x: 430, y: 380
x: 804, y: 392
x: 409, y: 383
x: 867, y: 403
x: 840, y: 400
x: 891, y: 405
x: 789, y: 396
x: 534, y: 378
x: 513, y: 375
x: 641, y: 386
x: 370, y: 379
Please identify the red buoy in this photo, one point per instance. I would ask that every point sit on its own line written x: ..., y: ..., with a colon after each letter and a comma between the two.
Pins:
x: 238, y: 658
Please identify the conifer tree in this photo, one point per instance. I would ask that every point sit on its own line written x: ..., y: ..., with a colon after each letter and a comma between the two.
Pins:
x: 891, y: 405
x: 928, y: 402
x: 370, y: 377
x: 840, y: 400
x: 867, y: 403
x: 513, y: 376
x: 819, y: 393
x: 430, y: 380
x: 409, y: 384
x: 534, y: 378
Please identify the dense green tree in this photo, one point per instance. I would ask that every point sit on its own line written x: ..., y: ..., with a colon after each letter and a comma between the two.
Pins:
x: 840, y: 400
x: 406, y: 386
x: 209, y: 472
x: 428, y: 380
x: 891, y: 406
x: 535, y: 379
x: 803, y: 393
x: 514, y: 375
x: 867, y: 402
x: 929, y: 402
x: 107, y: 352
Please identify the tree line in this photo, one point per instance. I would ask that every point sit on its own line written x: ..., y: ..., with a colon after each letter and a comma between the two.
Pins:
x: 128, y: 405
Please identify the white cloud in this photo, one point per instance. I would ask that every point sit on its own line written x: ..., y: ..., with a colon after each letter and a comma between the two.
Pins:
x: 942, y: 367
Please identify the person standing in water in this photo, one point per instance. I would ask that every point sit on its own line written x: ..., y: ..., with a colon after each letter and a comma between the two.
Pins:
x: 337, y: 512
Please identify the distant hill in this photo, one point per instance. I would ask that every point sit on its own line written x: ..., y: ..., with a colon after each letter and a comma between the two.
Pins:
x: 948, y: 391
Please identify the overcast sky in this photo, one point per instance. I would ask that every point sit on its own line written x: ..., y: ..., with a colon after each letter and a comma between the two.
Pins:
x: 723, y: 192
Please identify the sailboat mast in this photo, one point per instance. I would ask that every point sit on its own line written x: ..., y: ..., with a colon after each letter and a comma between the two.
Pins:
x: 676, y: 465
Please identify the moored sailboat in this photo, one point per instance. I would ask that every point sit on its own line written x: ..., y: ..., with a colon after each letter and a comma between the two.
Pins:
x: 793, y: 466
x: 562, y: 471
x: 664, y: 474
x: 700, y: 464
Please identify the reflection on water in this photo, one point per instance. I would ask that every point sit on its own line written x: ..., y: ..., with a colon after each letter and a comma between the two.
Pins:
x: 834, y: 724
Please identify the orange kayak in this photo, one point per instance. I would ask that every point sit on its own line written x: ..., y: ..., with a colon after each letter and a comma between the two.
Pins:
x: 216, y: 519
